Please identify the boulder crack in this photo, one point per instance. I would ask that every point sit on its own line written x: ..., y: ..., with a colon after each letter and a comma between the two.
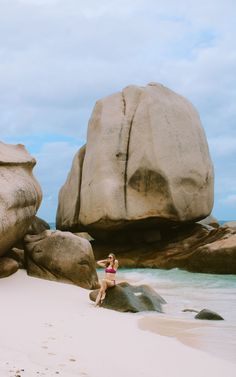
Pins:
x: 127, y: 154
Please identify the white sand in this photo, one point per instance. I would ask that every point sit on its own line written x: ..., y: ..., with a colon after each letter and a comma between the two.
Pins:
x: 52, y: 329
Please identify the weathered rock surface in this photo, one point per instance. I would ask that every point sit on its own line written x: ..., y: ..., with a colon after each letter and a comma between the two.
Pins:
x: 128, y: 298
x: 18, y: 255
x: 84, y: 235
x: 194, y: 248
x: 208, y: 314
x: 146, y: 163
x: 8, y: 267
x: 38, y: 226
x: 20, y: 194
x: 61, y: 256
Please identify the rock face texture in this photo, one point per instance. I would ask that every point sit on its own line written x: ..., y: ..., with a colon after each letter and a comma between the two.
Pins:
x: 208, y: 314
x: 20, y: 194
x: 146, y: 162
x: 61, y: 256
x: 8, y: 267
x: 38, y: 226
x: 127, y: 298
x: 194, y: 248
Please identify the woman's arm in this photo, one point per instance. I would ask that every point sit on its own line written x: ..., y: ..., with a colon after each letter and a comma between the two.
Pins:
x: 116, y: 264
x: 102, y: 263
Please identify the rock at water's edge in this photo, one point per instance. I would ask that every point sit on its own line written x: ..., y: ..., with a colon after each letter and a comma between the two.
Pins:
x: 127, y: 298
x: 208, y: 314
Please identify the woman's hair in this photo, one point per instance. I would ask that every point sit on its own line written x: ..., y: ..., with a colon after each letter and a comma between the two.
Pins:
x: 114, y: 258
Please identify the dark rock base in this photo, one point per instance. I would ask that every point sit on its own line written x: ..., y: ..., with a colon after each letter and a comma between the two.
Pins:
x: 127, y: 298
x: 194, y: 248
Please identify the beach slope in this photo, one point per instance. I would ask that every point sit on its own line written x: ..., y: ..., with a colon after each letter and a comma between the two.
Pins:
x: 50, y: 328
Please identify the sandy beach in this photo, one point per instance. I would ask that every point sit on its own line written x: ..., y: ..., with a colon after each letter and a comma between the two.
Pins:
x: 50, y: 328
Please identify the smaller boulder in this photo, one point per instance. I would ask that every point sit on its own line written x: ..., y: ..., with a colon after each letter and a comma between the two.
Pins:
x: 128, y: 298
x: 8, y: 267
x: 61, y: 256
x: 208, y: 314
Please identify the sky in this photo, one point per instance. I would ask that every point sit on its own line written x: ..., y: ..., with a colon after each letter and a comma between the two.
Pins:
x: 57, y: 57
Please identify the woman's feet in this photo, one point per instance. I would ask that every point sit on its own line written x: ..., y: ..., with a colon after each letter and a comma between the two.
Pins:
x: 103, y: 297
x: 100, y: 298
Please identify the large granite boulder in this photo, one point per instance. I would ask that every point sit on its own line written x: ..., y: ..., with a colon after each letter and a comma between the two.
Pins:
x: 146, y: 162
x: 129, y: 298
x: 61, y: 256
x: 20, y: 194
x: 195, y: 248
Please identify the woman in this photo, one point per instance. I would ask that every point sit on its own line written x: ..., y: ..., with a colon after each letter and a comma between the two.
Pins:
x: 111, y: 265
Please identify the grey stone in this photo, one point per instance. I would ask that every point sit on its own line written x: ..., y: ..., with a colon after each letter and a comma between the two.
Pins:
x: 129, y: 298
x: 208, y: 314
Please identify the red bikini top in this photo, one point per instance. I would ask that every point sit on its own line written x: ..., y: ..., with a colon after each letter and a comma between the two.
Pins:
x: 110, y: 270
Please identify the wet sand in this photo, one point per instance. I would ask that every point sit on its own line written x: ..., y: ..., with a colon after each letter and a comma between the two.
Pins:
x: 199, y: 334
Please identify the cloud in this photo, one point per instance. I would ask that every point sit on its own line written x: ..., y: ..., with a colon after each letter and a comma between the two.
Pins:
x: 57, y: 57
x: 223, y: 146
x: 229, y: 200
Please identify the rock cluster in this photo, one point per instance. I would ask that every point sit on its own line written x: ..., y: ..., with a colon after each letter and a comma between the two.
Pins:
x: 141, y: 187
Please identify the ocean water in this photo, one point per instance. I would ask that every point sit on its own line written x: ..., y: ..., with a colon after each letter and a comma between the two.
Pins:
x: 187, y: 290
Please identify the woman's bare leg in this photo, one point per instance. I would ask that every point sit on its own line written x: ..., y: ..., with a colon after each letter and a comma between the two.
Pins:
x: 98, y: 298
x: 109, y: 284
x: 102, y: 292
